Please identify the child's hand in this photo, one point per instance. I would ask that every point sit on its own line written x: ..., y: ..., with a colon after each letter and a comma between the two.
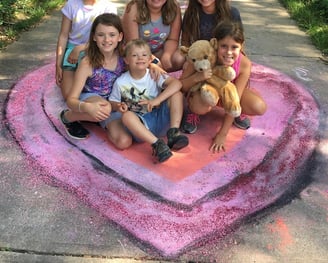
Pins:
x: 166, y: 61
x: 206, y: 74
x: 150, y: 104
x: 99, y: 110
x: 156, y: 71
x: 73, y: 56
x: 218, y: 143
x: 59, y: 76
x: 122, y: 107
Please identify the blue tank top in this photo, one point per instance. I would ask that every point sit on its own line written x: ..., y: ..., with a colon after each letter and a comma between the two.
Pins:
x: 207, y: 22
x: 102, y: 80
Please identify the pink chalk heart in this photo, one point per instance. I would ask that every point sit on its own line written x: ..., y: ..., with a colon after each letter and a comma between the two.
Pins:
x: 194, y: 196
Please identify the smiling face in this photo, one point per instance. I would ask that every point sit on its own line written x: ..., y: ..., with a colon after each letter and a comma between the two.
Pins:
x: 228, y: 51
x: 138, y: 57
x: 107, y: 38
x: 155, y: 4
x: 208, y: 6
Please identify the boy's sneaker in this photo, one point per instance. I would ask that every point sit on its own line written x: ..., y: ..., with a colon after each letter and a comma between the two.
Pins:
x: 242, y: 122
x: 74, y: 129
x: 175, y: 140
x: 161, y: 150
x: 189, y: 122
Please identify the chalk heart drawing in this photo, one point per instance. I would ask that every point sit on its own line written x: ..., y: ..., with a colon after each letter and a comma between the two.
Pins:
x: 195, y: 196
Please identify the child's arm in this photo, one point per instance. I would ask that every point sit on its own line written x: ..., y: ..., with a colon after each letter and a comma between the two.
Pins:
x: 218, y: 143
x: 118, y: 106
x: 83, y: 71
x: 115, y: 98
x: 130, y: 25
x: 172, y: 42
x: 74, y: 55
x: 171, y: 85
x: 156, y: 71
x: 61, y: 46
x: 190, y: 77
x: 242, y: 79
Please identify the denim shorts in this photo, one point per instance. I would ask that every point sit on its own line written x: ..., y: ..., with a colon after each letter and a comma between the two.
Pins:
x: 158, y: 120
x: 114, y: 115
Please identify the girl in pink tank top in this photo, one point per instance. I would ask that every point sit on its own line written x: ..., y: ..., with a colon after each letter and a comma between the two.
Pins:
x: 230, y: 40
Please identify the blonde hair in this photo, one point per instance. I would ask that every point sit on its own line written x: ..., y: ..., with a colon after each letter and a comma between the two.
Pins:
x: 136, y: 43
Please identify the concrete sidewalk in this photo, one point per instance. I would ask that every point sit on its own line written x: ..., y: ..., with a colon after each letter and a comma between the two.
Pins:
x: 36, y: 217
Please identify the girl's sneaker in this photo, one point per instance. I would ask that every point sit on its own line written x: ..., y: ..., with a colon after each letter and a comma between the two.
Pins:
x: 242, y: 122
x: 189, y: 122
x: 74, y: 129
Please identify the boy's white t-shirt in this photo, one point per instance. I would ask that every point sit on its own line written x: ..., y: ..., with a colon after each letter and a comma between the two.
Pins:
x: 131, y: 91
x: 82, y: 17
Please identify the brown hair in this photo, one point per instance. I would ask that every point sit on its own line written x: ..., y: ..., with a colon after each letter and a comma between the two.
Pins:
x: 229, y: 28
x: 190, y: 25
x: 169, y: 11
x: 96, y: 58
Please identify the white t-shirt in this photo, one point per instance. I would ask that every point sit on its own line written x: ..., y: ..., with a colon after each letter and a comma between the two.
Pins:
x: 82, y: 17
x: 131, y: 91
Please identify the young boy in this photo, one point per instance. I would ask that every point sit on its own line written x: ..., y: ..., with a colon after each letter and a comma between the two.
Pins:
x: 149, y: 107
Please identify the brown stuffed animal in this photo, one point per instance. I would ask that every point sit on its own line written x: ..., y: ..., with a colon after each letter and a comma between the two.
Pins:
x: 202, y: 54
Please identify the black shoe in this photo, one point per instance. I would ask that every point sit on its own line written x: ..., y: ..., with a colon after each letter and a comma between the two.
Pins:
x: 74, y: 129
x: 175, y: 140
x: 189, y: 122
x: 161, y: 150
x: 242, y: 122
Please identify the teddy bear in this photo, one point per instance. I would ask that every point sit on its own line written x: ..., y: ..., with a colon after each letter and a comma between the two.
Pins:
x: 202, y: 53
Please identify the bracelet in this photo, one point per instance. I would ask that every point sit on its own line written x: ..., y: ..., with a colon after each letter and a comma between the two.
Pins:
x: 172, y: 39
x: 80, y: 105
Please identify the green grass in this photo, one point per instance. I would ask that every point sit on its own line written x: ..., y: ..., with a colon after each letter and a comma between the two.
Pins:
x: 312, y: 17
x: 17, y: 16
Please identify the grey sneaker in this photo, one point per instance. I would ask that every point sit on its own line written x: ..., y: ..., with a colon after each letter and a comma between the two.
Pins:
x: 74, y: 129
x: 242, y: 122
x: 161, y: 150
x: 189, y: 122
x: 175, y: 140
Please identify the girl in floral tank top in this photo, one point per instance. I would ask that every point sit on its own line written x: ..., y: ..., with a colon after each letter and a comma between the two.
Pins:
x: 101, y: 81
x: 94, y: 80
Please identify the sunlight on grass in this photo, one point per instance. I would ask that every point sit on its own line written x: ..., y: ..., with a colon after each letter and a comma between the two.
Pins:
x: 311, y: 16
x: 21, y: 15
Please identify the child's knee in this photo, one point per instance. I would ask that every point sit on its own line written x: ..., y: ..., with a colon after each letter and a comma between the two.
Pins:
x: 197, y: 105
x: 123, y: 141
x: 260, y: 107
x: 127, y: 116
x: 120, y: 138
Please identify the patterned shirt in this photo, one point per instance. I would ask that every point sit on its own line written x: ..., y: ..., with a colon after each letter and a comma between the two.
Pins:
x: 102, y: 80
x: 155, y: 34
x: 131, y: 91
